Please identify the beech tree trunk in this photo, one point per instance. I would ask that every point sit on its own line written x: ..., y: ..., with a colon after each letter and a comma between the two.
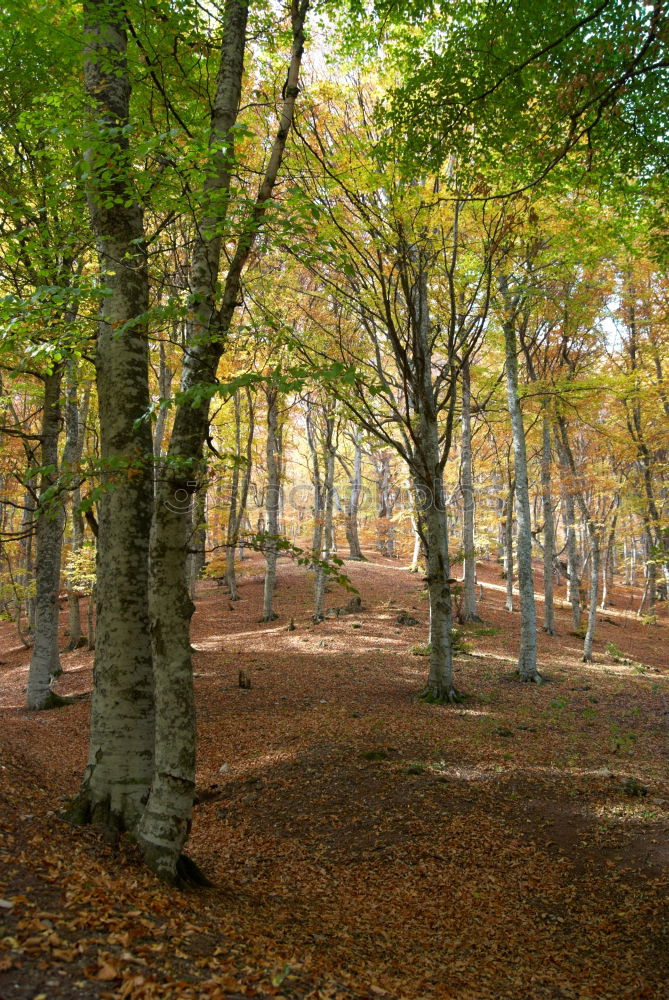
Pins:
x: 317, y: 507
x: 427, y: 471
x: 238, y: 495
x: 607, y: 572
x: 592, y: 606
x: 527, y: 657
x: 549, y: 527
x: 354, y: 550
x: 469, y: 610
x: 75, y: 423
x: 120, y: 764
x: 328, y: 508
x: 385, y: 543
x: 508, y: 543
x: 593, y: 530
x: 198, y: 544
x: 167, y: 816
x: 271, y: 504
x: 45, y: 659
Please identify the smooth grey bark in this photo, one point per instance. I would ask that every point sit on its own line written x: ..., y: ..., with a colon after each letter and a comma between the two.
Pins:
x: 326, y: 537
x: 352, y: 537
x: 428, y: 463
x: 417, y: 548
x: 594, y: 537
x: 549, y: 527
x: 45, y: 658
x: 573, y: 566
x: 592, y: 605
x: 385, y: 543
x: 527, y: 656
x: 167, y: 816
x: 649, y: 597
x: 469, y: 609
x: 90, y: 619
x: 508, y: 542
x: 27, y: 532
x: 120, y: 763
x: 198, y: 545
x: 75, y: 424
x: 607, y: 572
x: 317, y: 508
x: 271, y: 504
x: 165, y: 376
x: 238, y: 494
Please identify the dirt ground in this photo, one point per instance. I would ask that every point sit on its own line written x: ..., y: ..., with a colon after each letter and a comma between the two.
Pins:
x: 362, y: 843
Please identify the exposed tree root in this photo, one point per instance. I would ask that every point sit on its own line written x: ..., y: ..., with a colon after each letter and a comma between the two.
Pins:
x: 434, y: 695
x: 54, y: 700
x: 534, y: 678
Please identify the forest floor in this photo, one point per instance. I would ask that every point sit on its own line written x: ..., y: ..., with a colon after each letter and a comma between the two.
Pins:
x: 363, y: 844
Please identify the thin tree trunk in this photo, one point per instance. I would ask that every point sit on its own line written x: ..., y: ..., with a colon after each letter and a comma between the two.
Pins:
x: 198, y: 547
x: 271, y: 504
x: 573, y: 569
x: 317, y: 510
x: 238, y: 497
x: 469, y: 610
x: 508, y: 543
x: 607, y: 574
x: 592, y: 607
x: 328, y: 508
x: 527, y: 659
x: 428, y: 474
x: 354, y: 550
x: 549, y: 527
x: 595, y: 548
x: 75, y: 423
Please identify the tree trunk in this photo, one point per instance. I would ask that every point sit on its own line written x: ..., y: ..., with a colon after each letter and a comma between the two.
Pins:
x: 271, y: 504
x: 573, y: 569
x: 428, y: 476
x: 167, y: 816
x: 549, y: 527
x: 198, y: 545
x: 238, y: 496
x: 45, y: 659
x: 508, y: 543
x: 469, y: 610
x: 120, y: 764
x: 75, y: 423
x: 354, y: 550
x: 317, y: 509
x: 527, y: 659
x: 592, y: 608
x: 607, y: 574
x: 328, y: 507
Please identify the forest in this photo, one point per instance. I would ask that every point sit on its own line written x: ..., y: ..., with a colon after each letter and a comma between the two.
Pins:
x: 334, y: 483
